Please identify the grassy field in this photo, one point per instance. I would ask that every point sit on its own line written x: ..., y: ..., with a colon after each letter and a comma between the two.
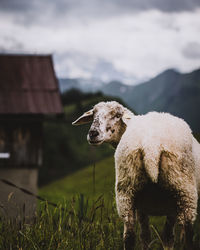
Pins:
x: 86, y: 216
x: 84, y: 219
x: 92, y: 182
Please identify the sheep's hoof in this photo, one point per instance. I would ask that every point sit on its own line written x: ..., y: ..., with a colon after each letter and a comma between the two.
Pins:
x: 129, y: 241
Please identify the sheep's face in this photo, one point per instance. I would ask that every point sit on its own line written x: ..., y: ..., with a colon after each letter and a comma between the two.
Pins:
x: 107, y: 125
x: 108, y: 122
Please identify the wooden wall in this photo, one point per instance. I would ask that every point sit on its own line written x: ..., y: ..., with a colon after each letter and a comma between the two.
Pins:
x: 22, y: 140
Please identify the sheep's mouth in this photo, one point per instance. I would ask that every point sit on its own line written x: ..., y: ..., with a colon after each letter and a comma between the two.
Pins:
x: 94, y: 142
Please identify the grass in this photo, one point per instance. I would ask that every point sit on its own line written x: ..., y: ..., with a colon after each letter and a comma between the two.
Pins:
x: 73, y: 226
x: 86, y: 216
x: 93, y: 181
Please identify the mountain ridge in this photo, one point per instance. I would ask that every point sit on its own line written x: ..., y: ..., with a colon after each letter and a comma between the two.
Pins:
x: 170, y: 91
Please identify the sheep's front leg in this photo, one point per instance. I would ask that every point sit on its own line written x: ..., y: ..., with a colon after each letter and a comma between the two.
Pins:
x: 127, y: 213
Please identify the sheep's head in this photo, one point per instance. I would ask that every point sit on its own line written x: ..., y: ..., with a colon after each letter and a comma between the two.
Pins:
x: 109, y: 121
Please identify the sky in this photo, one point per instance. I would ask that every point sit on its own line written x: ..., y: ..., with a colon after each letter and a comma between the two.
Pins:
x: 126, y: 40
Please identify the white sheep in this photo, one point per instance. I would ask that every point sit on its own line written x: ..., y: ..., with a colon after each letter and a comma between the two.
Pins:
x: 157, y: 165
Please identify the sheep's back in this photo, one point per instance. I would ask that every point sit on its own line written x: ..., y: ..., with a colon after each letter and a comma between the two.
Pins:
x: 196, y: 153
x: 153, y: 134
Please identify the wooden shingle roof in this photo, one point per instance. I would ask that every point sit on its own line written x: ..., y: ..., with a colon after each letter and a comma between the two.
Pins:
x: 28, y: 85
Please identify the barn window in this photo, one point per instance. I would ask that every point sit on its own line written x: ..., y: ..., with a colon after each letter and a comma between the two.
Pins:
x: 5, y: 155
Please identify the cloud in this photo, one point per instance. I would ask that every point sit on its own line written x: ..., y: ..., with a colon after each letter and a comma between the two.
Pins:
x: 75, y: 64
x: 132, y: 42
x: 9, y: 44
x: 35, y: 11
x: 63, y: 13
x: 16, y: 6
x: 140, y: 46
x: 192, y: 50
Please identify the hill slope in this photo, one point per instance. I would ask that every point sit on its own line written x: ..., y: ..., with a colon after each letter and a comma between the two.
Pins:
x: 88, y: 181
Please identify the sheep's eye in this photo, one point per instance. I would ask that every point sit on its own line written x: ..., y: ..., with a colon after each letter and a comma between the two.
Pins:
x: 118, y: 115
x: 108, y: 128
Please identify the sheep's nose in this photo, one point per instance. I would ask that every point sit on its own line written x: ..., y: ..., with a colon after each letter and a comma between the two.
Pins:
x: 93, y: 133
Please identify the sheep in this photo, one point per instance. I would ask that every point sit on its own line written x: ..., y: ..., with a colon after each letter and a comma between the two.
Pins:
x: 157, y: 167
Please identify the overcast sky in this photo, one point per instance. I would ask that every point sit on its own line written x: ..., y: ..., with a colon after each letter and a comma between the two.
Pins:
x: 129, y: 40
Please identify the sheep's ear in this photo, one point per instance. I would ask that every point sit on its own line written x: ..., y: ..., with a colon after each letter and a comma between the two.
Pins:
x: 87, y: 117
x: 126, y: 117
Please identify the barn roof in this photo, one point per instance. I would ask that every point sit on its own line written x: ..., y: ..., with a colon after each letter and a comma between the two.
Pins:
x: 28, y: 85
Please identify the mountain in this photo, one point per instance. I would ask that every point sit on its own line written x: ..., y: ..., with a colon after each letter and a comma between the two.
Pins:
x: 170, y: 91
x: 116, y: 88
x: 65, y: 84
x: 85, y: 85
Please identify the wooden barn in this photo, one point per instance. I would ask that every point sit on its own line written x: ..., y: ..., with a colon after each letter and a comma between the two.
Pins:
x: 29, y: 94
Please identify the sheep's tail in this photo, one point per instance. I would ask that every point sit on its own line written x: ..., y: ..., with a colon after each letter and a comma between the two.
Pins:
x: 151, y: 163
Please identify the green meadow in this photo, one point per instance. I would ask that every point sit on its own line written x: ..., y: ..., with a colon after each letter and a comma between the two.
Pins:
x: 80, y: 180
x: 91, y: 182
x: 85, y: 216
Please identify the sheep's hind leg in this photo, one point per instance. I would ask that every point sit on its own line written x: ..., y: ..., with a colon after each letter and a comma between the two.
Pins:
x: 168, y: 233
x: 178, y: 175
x: 189, y: 236
x: 187, y: 208
x: 129, y: 232
x: 145, y: 235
